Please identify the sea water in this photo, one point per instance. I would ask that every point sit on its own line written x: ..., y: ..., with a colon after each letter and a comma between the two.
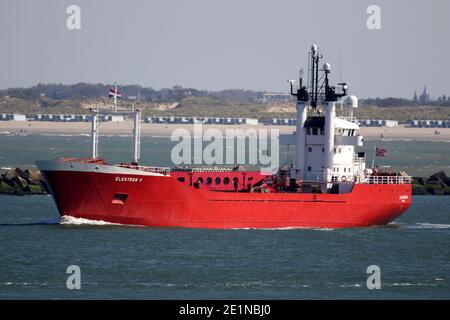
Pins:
x: 129, y: 262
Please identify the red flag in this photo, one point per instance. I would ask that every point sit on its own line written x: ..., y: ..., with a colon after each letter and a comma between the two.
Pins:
x: 380, y: 152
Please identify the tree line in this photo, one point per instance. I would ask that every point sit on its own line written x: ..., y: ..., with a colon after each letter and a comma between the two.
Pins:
x: 442, y: 101
x: 176, y: 94
x: 131, y: 92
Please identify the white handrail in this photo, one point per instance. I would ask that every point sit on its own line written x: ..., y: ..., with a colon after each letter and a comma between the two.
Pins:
x: 386, y: 180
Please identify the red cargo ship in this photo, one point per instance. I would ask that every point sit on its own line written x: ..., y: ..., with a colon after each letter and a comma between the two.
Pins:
x: 328, y: 186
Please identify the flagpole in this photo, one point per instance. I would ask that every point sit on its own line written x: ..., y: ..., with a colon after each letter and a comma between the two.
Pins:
x: 373, y: 156
x: 115, y: 97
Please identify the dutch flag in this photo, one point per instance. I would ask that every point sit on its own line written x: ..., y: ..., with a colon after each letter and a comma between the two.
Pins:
x: 115, y: 93
x: 379, y: 152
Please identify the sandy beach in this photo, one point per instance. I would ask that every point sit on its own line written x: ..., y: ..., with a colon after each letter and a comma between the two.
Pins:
x: 150, y: 129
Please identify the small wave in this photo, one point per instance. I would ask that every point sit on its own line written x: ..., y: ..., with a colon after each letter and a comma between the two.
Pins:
x: 429, y: 226
x: 20, y: 284
x: 398, y: 139
x: 250, y: 284
x: 160, y: 136
x: 408, y: 139
x: 400, y: 225
x: 355, y: 285
x: 68, y: 220
x: 116, y: 135
x: 65, y: 134
x: 408, y: 284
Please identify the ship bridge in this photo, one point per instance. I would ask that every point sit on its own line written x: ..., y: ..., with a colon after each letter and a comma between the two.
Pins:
x: 326, y: 138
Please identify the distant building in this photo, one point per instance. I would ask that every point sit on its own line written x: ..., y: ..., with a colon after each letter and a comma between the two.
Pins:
x: 378, y: 123
x: 391, y: 123
x: 18, y: 117
x: 429, y: 123
x: 276, y: 97
x: 251, y: 121
x: 280, y: 121
x: 11, y: 116
x: 198, y: 120
x: 424, y: 98
x: 115, y: 118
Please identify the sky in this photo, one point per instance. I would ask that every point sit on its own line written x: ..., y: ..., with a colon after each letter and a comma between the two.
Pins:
x: 215, y: 45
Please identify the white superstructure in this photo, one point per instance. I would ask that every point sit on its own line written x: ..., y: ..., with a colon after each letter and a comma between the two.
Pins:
x: 326, y: 131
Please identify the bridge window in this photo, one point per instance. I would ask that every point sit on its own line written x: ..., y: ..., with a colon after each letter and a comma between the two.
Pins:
x: 200, y: 180
x: 226, y: 180
x: 181, y: 179
x: 208, y: 180
x: 217, y: 180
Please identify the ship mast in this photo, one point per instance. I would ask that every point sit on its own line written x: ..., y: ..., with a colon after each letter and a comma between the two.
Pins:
x: 137, y: 136
x: 94, y: 133
x: 136, y: 133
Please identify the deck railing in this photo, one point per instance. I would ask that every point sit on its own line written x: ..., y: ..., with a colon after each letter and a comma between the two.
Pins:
x: 350, y: 119
x: 160, y: 170
x: 386, y: 180
x: 310, y: 176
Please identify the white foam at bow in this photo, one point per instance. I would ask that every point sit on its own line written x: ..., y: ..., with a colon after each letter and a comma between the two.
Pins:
x: 81, y: 221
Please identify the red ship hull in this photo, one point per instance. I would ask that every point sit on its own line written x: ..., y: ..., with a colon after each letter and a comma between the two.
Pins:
x: 160, y: 200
